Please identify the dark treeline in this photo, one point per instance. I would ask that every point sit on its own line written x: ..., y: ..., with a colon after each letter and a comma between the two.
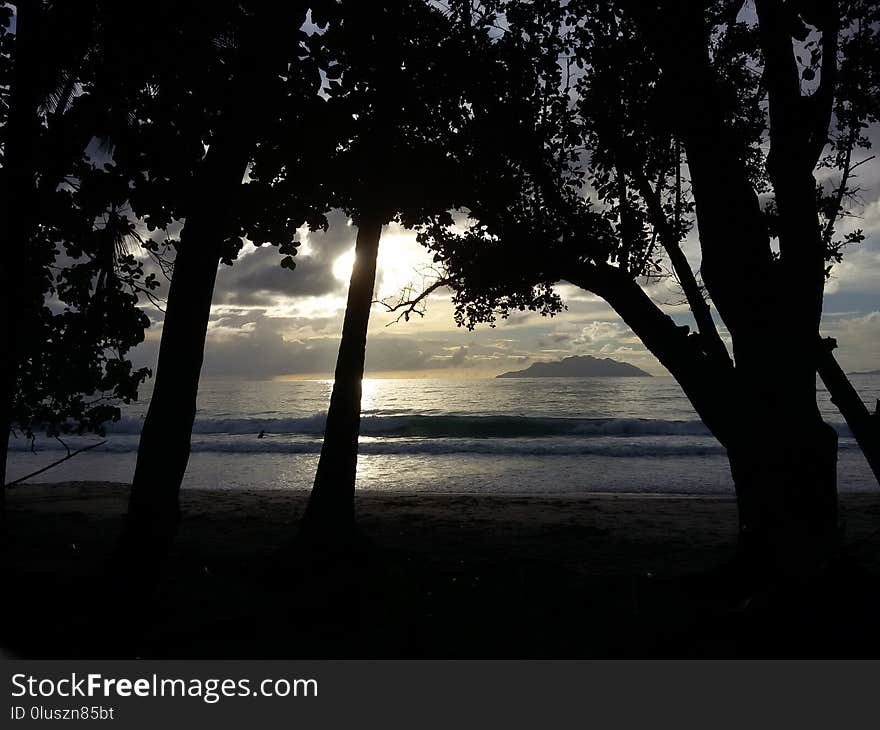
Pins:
x: 527, y: 144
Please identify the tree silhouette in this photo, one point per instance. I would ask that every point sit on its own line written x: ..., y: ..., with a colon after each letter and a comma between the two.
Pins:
x: 330, y: 513
x: 254, y: 57
x: 400, y: 95
x: 70, y: 284
x: 656, y: 112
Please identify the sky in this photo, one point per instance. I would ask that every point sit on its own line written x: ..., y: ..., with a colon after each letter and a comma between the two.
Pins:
x: 269, y: 322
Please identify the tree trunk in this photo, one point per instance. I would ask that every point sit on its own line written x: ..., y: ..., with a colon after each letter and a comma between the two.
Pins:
x: 164, y: 448
x: 864, y: 425
x: 786, y: 488
x: 20, y: 290
x: 786, y: 480
x: 783, y: 456
x: 330, y: 511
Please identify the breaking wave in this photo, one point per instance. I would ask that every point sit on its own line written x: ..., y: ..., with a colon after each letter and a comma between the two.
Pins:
x: 445, y: 426
x: 437, y: 435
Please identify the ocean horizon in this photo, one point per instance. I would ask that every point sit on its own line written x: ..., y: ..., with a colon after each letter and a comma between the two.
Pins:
x: 484, y: 435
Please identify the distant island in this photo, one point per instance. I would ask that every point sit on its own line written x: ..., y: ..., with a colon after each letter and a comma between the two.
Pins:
x: 583, y: 366
x: 867, y: 372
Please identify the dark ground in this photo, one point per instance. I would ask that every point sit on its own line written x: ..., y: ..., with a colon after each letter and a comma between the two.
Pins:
x: 440, y: 576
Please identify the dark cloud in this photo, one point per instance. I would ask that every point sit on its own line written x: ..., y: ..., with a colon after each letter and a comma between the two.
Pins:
x: 555, y: 338
x: 264, y: 352
x: 257, y: 279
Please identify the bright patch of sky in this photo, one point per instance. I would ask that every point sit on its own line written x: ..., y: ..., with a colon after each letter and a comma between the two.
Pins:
x: 271, y: 322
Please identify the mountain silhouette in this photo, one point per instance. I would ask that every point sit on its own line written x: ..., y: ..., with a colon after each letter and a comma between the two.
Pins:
x: 582, y: 366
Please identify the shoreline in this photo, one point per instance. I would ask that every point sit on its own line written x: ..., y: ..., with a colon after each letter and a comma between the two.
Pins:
x: 367, y: 493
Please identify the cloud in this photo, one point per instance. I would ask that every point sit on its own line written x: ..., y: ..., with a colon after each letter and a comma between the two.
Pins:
x: 597, y: 332
x: 264, y: 351
x: 257, y: 278
x: 858, y: 340
x: 859, y: 271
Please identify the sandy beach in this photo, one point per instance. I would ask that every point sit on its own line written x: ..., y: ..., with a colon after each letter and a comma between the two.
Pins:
x: 444, y: 575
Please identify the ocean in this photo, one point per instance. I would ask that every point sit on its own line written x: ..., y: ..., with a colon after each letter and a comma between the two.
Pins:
x: 507, y: 436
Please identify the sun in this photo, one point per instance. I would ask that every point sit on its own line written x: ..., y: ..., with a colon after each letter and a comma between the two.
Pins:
x: 401, y: 259
x: 343, y: 265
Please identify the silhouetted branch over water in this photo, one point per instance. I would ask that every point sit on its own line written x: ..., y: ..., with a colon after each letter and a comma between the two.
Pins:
x: 70, y: 454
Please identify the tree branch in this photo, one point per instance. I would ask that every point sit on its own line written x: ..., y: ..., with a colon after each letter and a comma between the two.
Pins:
x: 737, y: 258
x: 70, y: 455
x: 703, y: 381
x: 798, y: 124
x: 822, y: 102
x: 841, y: 192
x: 865, y: 427
x: 411, y: 306
x: 713, y: 344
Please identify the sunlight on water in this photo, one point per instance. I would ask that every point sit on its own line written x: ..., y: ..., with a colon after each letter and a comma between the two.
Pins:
x: 546, y: 435
x: 371, y: 394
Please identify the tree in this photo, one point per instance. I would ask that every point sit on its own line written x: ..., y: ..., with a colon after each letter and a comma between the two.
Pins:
x: 399, y: 101
x: 70, y: 286
x: 254, y: 53
x: 655, y: 111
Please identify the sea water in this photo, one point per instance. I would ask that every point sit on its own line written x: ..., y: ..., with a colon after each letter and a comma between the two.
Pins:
x: 518, y: 435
